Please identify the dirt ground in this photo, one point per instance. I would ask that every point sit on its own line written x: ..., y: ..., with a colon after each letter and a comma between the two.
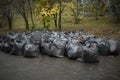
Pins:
x: 48, y: 68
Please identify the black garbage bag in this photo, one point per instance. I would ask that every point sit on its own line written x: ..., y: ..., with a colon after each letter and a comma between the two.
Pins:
x: 1, y: 44
x: 74, y: 50
x: 57, y: 48
x: 45, y: 42
x: 114, y: 47
x: 31, y: 50
x: 45, y: 48
x: 26, y: 37
x: 45, y: 37
x: 104, y: 47
x: 5, y: 47
x: 4, y: 38
x: 90, y: 54
x: 12, y: 35
x: 8, y: 42
x: 17, y: 47
x: 55, y: 51
x: 53, y: 35
x: 35, y: 37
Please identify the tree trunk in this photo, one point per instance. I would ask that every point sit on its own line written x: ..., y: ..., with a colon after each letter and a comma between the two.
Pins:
x: 75, y: 16
x: 26, y: 22
x: 60, y: 12
x: 9, y: 22
x: 55, y: 20
x: 24, y: 15
x: 116, y: 14
x: 44, y: 23
x: 10, y: 25
x: 116, y: 11
x: 96, y: 14
x: 31, y: 13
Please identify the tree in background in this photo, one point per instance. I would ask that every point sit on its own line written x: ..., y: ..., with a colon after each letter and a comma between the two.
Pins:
x: 8, y: 11
x: 115, y: 5
x: 22, y: 9
x: 98, y: 8
x: 75, y: 8
x: 30, y: 3
x: 60, y: 13
x: 49, y: 10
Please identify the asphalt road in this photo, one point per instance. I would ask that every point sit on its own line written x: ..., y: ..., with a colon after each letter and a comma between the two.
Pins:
x: 48, y: 68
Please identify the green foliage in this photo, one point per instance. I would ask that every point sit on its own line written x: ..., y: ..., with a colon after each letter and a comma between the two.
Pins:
x: 98, y: 8
x: 115, y: 4
x: 73, y: 9
x: 46, y: 11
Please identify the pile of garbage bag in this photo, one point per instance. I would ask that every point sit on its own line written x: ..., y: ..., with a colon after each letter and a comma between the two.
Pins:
x: 75, y: 45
